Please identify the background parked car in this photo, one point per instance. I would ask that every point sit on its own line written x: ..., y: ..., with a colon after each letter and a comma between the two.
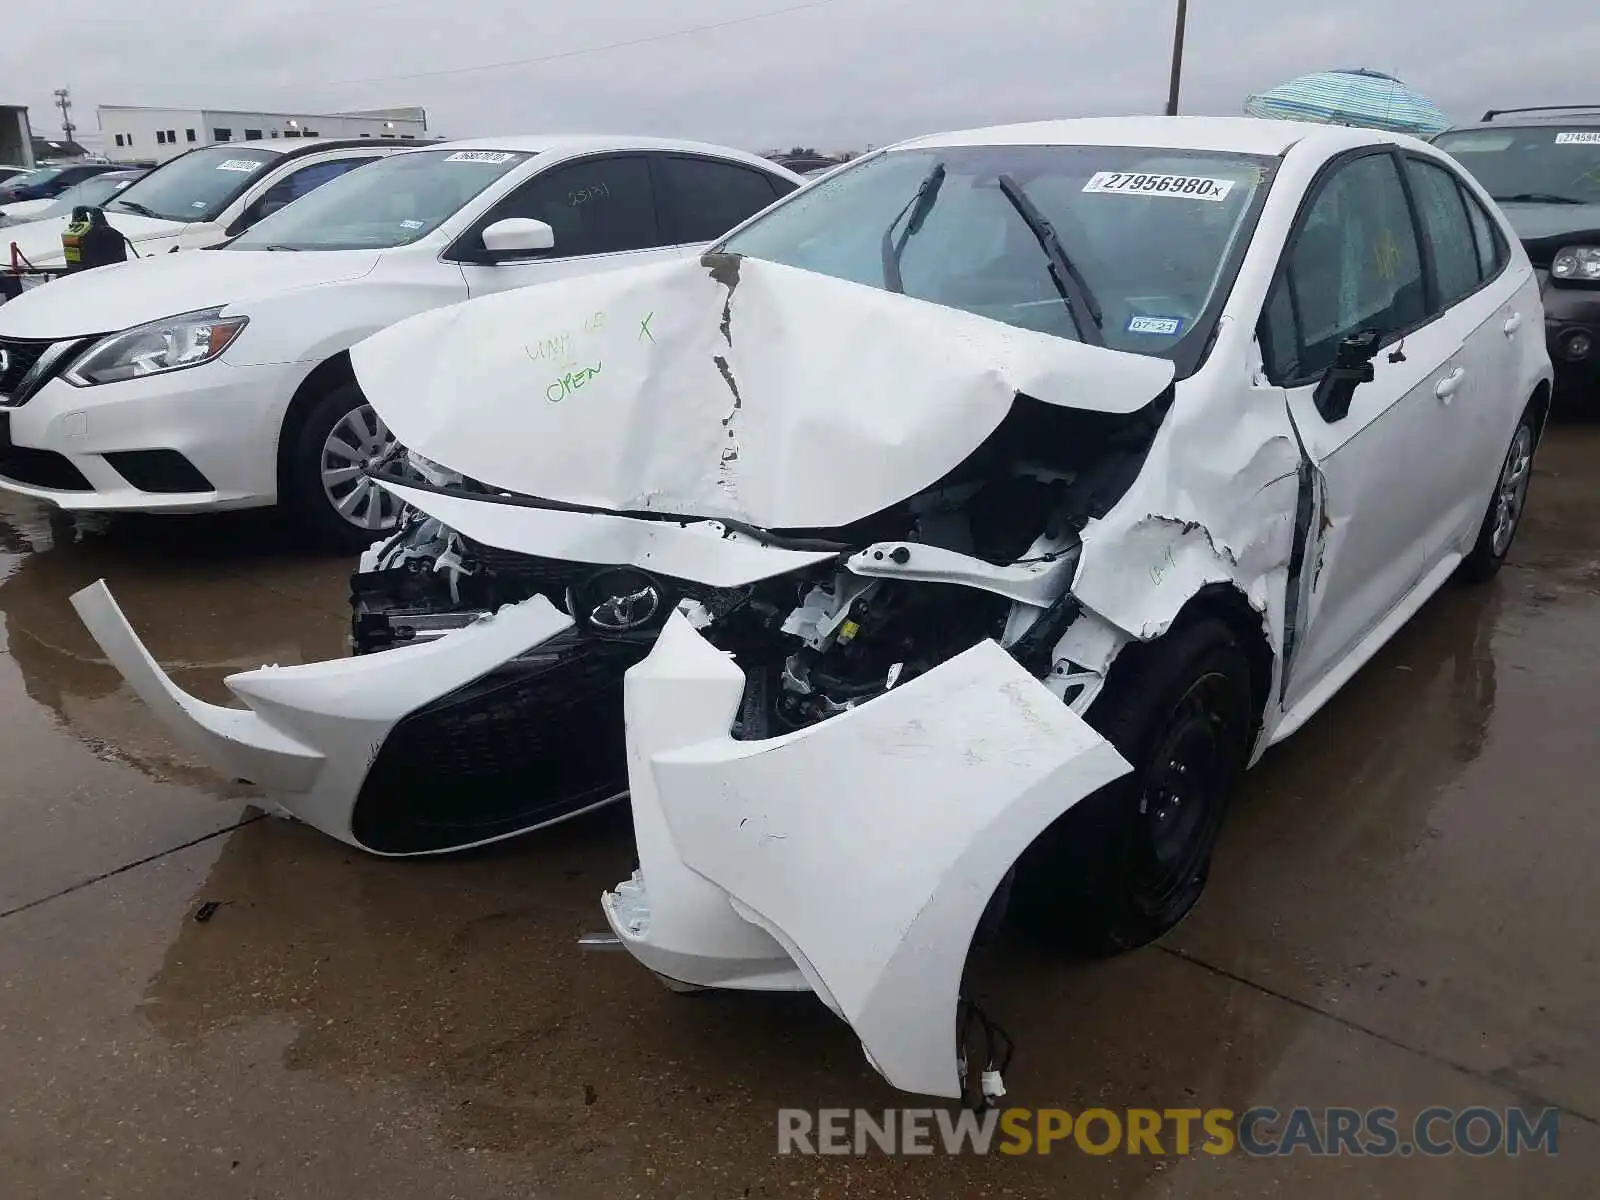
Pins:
x: 9, y: 171
x: 1542, y: 165
x: 47, y: 182
x: 246, y: 396
x: 206, y: 196
x: 93, y: 191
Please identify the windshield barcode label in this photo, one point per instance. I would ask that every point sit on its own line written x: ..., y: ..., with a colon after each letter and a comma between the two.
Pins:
x: 1184, y: 187
x: 480, y: 156
x: 238, y: 164
x: 1588, y: 137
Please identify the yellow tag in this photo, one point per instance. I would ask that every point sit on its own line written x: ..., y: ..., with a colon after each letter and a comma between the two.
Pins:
x: 848, y: 630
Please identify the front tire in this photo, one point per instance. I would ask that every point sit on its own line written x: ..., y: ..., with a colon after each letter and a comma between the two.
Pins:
x: 1506, y: 506
x: 1126, y: 864
x: 324, y: 484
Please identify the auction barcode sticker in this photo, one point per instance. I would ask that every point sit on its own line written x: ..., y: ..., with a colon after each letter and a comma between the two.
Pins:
x: 480, y: 156
x: 238, y: 164
x: 1184, y: 187
x: 1587, y: 137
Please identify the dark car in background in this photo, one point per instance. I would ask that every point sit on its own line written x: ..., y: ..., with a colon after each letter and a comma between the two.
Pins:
x: 1542, y: 165
x: 92, y: 192
x: 49, y: 182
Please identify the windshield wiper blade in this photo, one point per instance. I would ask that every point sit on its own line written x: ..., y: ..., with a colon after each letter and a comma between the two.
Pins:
x: 135, y: 207
x: 918, y: 206
x: 1073, y: 287
x: 281, y: 246
x: 1539, y: 198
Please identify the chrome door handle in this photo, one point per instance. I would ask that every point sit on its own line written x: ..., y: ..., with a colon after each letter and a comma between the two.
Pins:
x: 1513, y: 323
x: 1447, y: 386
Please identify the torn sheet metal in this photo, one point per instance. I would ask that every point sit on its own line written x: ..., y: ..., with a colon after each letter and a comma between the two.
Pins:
x: 723, y: 388
x: 869, y: 887
x: 309, y: 734
x: 705, y: 551
x: 1214, y: 504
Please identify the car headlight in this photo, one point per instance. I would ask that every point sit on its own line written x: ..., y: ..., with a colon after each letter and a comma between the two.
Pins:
x: 1578, y: 262
x: 186, y: 340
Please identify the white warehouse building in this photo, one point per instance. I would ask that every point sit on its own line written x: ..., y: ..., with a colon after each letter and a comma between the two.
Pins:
x: 133, y: 133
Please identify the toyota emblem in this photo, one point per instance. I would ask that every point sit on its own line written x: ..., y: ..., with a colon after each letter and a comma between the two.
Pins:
x: 627, y: 610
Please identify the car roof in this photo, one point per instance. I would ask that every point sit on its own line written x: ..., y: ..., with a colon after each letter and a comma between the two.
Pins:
x: 299, y: 146
x: 296, y: 147
x: 565, y: 144
x: 1583, y: 118
x: 1234, y: 135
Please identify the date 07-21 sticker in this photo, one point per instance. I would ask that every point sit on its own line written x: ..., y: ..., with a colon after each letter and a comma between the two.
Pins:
x: 1184, y: 187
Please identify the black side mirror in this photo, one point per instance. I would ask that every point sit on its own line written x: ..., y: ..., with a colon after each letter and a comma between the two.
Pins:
x: 1352, y: 366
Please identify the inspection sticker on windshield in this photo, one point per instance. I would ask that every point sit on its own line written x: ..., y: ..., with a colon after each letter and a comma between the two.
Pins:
x: 1166, y: 326
x: 238, y: 164
x: 480, y: 156
x: 412, y: 224
x: 1587, y: 137
x: 1134, y: 183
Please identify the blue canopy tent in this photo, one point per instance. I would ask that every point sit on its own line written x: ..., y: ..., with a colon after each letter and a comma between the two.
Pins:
x: 1354, y: 96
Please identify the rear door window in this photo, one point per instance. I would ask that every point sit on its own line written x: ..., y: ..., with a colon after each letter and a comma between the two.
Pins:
x: 1486, y: 238
x: 704, y: 198
x: 298, y: 183
x: 1443, y: 213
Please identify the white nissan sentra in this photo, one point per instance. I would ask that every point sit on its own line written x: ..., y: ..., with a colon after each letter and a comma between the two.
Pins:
x: 964, y: 528
x: 217, y: 380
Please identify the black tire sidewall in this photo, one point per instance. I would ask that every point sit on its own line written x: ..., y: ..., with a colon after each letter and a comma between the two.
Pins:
x: 1481, y: 562
x: 1080, y: 875
x: 303, y: 491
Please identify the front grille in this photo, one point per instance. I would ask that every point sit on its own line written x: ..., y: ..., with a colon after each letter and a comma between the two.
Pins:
x: 41, y: 468
x: 162, y: 471
x: 21, y: 354
x: 548, y: 576
x: 526, y: 744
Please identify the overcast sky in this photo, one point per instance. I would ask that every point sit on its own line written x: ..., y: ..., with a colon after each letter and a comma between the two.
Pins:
x: 834, y: 73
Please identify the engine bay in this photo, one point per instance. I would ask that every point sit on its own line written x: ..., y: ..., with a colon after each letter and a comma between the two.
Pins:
x: 986, y: 553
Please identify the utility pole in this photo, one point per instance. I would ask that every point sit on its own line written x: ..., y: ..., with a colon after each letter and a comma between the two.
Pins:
x: 1177, y: 58
x: 64, y: 103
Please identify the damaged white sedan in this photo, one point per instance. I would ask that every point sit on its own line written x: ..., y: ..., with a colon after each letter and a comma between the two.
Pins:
x: 950, y: 536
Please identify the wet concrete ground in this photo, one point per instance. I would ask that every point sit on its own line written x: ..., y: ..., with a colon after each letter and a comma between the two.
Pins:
x: 1405, y: 911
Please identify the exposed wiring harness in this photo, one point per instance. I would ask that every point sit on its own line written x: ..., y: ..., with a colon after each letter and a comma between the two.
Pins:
x: 997, y: 1048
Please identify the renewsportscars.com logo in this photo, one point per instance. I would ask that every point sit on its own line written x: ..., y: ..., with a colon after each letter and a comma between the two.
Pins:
x: 1259, y: 1132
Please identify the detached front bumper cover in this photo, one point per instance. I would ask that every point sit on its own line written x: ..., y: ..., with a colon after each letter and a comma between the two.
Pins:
x: 311, y: 733
x: 854, y: 857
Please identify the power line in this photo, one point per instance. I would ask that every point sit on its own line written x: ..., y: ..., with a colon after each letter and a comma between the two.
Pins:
x: 545, y: 58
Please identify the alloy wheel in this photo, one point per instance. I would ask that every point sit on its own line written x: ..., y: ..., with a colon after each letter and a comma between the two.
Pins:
x: 1512, y: 493
x: 358, y: 442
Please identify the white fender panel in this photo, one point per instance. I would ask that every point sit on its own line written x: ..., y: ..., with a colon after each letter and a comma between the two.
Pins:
x: 867, y: 846
x: 310, y: 733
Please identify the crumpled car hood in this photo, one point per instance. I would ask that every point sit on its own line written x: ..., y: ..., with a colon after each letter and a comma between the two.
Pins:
x: 722, y: 387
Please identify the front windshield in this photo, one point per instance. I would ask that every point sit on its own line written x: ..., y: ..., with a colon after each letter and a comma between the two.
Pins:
x: 1534, y: 164
x: 391, y: 203
x: 196, y: 186
x: 94, y: 191
x: 1148, y: 234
